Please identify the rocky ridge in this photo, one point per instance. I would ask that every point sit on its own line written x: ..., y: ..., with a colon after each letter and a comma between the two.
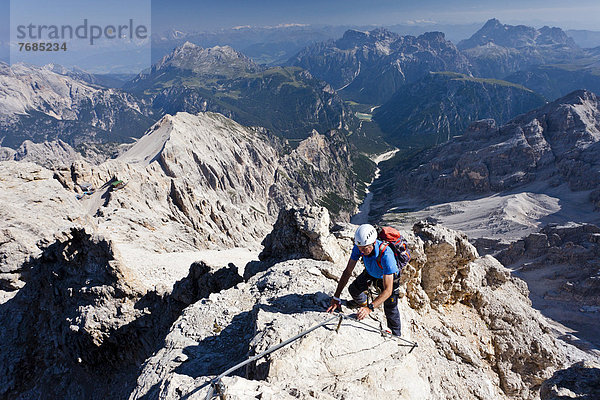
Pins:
x: 192, y: 182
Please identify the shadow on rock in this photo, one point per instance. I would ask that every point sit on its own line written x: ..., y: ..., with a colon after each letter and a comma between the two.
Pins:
x: 215, y: 354
x: 297, y: 303
x: 80, y: 330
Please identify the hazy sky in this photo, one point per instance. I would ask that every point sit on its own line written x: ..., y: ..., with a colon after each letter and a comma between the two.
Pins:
x: 204, y: 15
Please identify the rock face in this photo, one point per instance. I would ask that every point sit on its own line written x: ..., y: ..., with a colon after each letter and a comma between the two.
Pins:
x: 287, y: 101
x: 35, y: 208
x: 555, y: 144
x: 41, y: 105
x: 580, y: 381
x: 449, y: 253
x: 497, y: 49
x: 76, y: 315
x: 369, y: 67
x: 442, y: 105
x: 481, y: 339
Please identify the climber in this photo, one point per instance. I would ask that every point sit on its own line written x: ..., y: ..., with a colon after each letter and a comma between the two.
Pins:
x: 382, y: 271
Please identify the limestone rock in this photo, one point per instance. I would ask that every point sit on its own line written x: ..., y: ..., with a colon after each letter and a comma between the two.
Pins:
x: 448, y: 256
x: 302, y: 233
x: 83, y: 313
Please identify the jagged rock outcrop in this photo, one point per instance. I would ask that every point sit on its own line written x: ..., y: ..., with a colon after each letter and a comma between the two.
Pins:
x: 76, y: 315
x: 35, y: 208
x: 448, y: 254
x: 579, y: 381
x: 301, y: 233
x: 41, y: 105
x: 486, y: 343
x: 370, y: 67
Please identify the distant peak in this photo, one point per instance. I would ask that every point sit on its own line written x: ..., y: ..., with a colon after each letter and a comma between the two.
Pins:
x: 492, y: 23
x: 434, y: 36
x: 223, y: 60
x: 353, y: 33
x: 187, y: 45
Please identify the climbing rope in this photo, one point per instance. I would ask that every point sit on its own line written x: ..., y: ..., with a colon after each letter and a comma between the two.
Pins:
x: 216, y: 386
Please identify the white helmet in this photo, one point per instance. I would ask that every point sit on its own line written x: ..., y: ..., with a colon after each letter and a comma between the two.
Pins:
x: 365, y: 235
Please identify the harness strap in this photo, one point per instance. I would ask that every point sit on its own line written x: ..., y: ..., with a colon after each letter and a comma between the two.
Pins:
x: 382, y: 248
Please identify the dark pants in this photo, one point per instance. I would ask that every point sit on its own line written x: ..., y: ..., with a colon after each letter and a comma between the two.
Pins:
x: 390, y: 306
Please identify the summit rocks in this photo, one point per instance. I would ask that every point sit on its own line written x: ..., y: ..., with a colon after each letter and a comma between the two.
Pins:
x: 475, y: 341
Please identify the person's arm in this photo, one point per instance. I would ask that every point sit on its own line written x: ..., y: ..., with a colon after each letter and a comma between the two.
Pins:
x: 341, y: 285
x: 388, y: 285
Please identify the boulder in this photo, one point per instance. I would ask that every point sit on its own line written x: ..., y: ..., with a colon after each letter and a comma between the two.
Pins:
x: 302, y: 233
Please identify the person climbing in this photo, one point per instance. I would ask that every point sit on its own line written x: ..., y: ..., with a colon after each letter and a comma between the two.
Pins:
x: 381, y: 269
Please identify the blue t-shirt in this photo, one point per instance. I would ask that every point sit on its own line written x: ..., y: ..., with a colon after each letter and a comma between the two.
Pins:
x: 388, y: 261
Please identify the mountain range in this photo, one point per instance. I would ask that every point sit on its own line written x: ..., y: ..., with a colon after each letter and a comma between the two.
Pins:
x: 556, y: 143
x: 369, y: 67
x: 498, y: 49
x: 443, y: 104
x: 285, y: 100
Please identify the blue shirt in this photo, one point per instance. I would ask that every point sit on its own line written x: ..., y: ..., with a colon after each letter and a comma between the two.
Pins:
x: 388, y: 261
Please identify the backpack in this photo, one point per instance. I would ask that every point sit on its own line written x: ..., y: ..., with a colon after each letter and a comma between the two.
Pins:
x: 392, y: 238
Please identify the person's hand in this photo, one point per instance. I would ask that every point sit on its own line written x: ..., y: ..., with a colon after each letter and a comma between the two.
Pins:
x: 363, y: 313
x: 335, y: 303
